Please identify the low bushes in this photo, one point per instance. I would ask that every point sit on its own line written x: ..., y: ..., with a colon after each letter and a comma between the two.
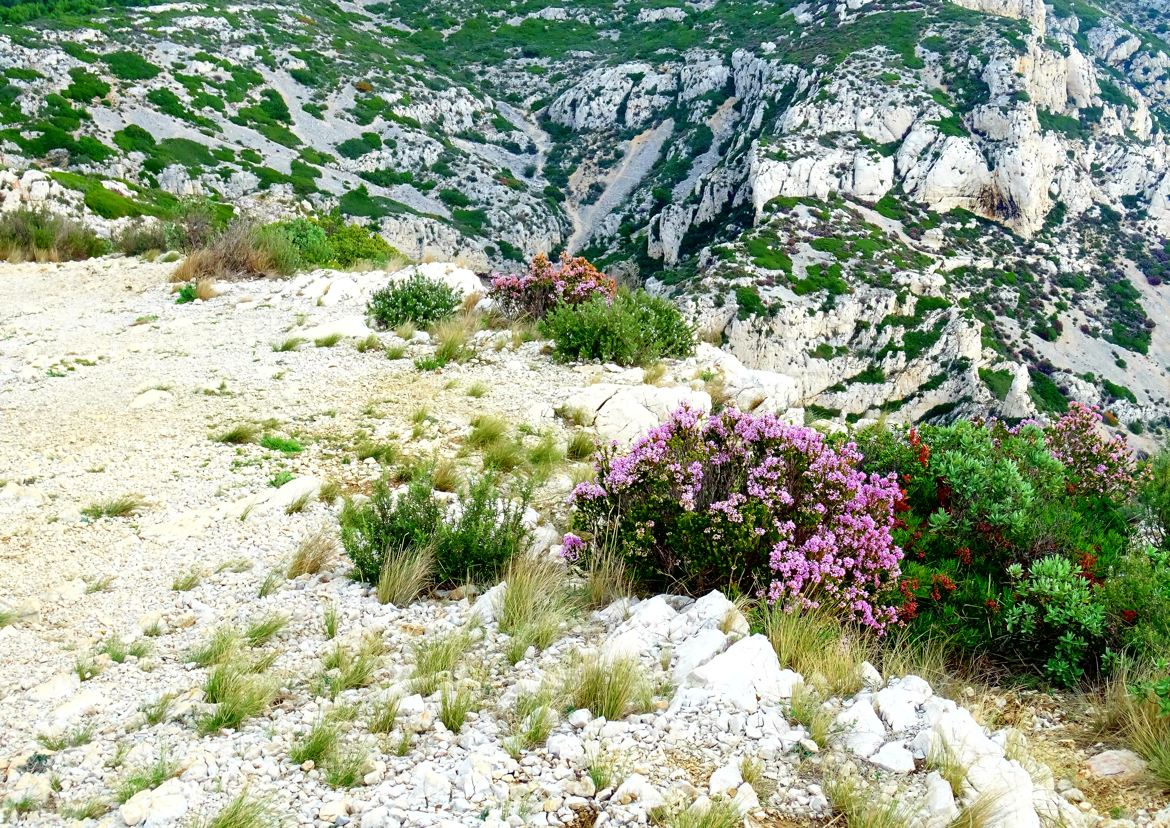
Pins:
x: 471, y: 542
x: 38, y: 235
x: 546, y: 285
x: 1043, y: 548
x: 632, y: 329
x: 1021, y: 541
x: 751, y: 502
x: 243, y: 251
x: 417, y: 299
x: 582, y: 311
x: 249, y: 250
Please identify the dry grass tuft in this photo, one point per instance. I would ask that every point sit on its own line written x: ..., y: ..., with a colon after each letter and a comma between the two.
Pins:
x: 817, y: 646
x: 313, y: 554
x: 613, y: 688
x: 536, y: 604
x: 862, y: 806
x: 405, y: 574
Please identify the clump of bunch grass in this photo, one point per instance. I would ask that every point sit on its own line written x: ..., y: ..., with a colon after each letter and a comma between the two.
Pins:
x: 242, y: 251
x: 581, y: 446
x: 187, y: 581
x: 262, y: 630
x: 612, y: 688
x: 860, y: 806
x: 147, y: 777
x: 238, y: 693
x: 405, y: 574
x: 816, y: 645
x: 535, y: 605
x: 114, y: 508
x: 313, y: 554
x: 242, y: 812
x: 384, y: 716
x: 317, y: 744
x: 454, y: 705
x: 436, y: 657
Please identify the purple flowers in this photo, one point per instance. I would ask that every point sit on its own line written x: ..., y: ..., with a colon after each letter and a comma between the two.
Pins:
x: 546, y: 285
x: 1096, y: 465
x: 753, y: 502
x: 571, y: 547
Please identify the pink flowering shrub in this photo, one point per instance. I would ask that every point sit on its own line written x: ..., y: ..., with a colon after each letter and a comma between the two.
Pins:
x: 545, y: 285
x: 1095, y: 465
x: 749, y: 502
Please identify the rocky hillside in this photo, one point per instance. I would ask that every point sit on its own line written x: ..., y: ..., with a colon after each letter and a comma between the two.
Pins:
x: 152, y: 549
x: 909, y: 208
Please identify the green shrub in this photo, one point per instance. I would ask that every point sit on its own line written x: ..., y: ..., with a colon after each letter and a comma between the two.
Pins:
x: 353, y: 244
x: 417, y: 299
x: 482, y: 535
x: 1154, y: 501
x: 1053, y: 609
x: 1018, y: 547
x: 998, y: 382
x: 85, y: 87
x: 39, y: 235
x: 308, y: 239
x: 130, y: 66
x: 634, y: 329
x: 386, y: 524
x: 487, y: 533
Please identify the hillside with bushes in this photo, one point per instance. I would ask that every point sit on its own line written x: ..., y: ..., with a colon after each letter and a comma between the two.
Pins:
x: 916, y: 210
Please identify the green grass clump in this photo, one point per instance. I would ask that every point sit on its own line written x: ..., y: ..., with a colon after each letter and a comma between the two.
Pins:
x: 242, y: 812
x: 285, y: 445
x: 612, y: 688
x: 238, y: 695
x: 319, y: 743
x: 117, y: 507
x: 146, y: 778
x: 238, y: 435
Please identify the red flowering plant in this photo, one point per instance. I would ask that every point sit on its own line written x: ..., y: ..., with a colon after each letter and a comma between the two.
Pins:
x: 980, y: 498
x: 533, y: 294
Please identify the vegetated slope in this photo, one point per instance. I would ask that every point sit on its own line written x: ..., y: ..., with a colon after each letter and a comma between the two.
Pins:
x: 798, y: 173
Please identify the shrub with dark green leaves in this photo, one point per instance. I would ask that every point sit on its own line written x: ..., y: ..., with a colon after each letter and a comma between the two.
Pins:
x: 387, y: 523
x: 416, y: 299
x: 1019, y: 542
x: 472, y: 542
x: 632, y: 329
x: 488, y: 531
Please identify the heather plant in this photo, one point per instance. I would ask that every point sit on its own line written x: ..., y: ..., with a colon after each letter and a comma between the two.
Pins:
x: 545, y: 285
x: 750, y: 502
x: 417, y: 300
x: 1094, y: 465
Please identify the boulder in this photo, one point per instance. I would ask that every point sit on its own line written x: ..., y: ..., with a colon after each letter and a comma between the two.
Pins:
x: 747, y: 674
